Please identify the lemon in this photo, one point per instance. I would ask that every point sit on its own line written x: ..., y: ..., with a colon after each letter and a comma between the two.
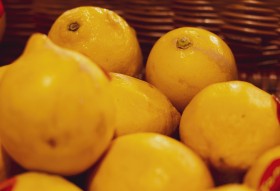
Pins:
x: 2, y: 70
x: 56, y: 113
x: 150, y: 162
x: 100, y: 34
x: 33, y: 181
x: 140, y: 107
x: 265, y: 171
x: 187, y: 59
x: 230, y: 124
x: 232, y: 187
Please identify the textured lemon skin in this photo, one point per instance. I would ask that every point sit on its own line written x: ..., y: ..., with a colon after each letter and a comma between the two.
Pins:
x: 181, y: 73
x: 140, y: 107
x: 55, y: 109
x: 150, y: 162
x: 103, y: 36
x: 230, y: 124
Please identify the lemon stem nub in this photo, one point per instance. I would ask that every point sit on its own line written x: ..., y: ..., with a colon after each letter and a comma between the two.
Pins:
x: 73, y: 26
x: 183, y: 43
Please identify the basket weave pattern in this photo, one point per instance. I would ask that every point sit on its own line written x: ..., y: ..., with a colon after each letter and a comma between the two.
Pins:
x: 250, y: 27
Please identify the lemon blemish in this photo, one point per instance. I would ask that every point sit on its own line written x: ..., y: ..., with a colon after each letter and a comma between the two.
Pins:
x: 73, y: 26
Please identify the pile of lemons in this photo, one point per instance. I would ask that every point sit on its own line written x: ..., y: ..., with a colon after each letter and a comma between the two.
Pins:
x: 79, y: 102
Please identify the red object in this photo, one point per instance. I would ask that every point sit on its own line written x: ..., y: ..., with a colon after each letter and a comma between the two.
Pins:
x: 7, y: 185
x: 270, y: 179
x: 1, y: 9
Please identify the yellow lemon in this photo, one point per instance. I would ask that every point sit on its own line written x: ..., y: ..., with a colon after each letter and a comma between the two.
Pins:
x: 2, y: 70
x: 265, y: 171
x: 140, y: 107
x: 232, y: 187
x: 34, y: 181
x: 55, y: 109
x: 150, y: 162
x: 100, y: 34
x: 230, y: 124
x: 187, y: 59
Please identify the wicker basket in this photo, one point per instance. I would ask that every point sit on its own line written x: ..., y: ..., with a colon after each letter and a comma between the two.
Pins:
x: 250, y: 27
